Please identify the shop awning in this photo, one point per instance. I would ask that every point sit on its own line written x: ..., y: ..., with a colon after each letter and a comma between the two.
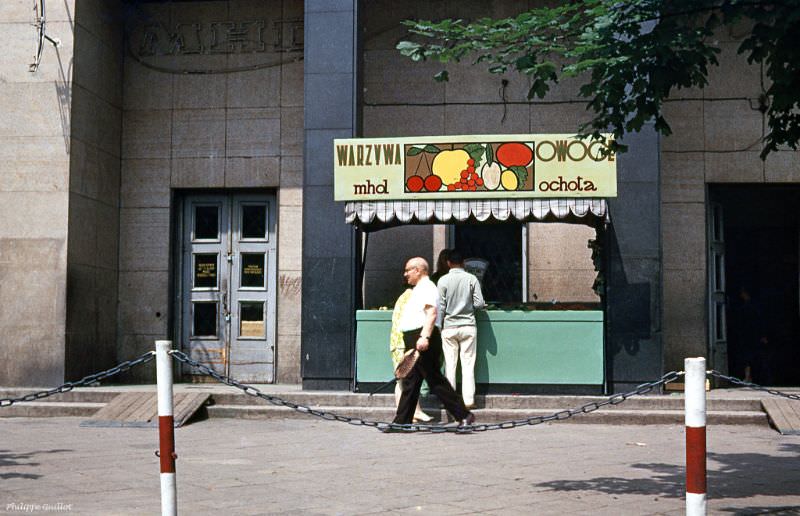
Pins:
x: 374, y: 215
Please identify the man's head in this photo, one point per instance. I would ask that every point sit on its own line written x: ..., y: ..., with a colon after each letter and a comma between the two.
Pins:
x: 455, y: 259
x: 416, y: 269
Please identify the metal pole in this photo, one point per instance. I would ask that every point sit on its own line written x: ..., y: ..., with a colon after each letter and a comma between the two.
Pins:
x: 695, y: 406
x: 166, y: 428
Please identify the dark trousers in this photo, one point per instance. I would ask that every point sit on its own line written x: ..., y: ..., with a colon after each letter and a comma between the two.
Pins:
x: 428, y: 367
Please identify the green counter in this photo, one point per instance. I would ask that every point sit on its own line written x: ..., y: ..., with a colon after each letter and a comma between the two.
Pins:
x: 514, y: 347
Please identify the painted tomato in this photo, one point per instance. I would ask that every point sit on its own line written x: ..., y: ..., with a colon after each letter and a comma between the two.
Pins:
x: 514, y: 154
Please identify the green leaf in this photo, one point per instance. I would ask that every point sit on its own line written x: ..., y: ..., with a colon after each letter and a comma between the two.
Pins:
x: 442, y: 76
x: 522, y: 175
x: 475, y: 151
x: 432, y: 149
x: 413, y: 151
x: 489, y: 154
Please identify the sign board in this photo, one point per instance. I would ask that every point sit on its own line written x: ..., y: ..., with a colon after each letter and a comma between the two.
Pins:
x: 472, y: 167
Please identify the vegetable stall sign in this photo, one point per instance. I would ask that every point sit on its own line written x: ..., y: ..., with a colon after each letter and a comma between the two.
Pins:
x: 472, y: 167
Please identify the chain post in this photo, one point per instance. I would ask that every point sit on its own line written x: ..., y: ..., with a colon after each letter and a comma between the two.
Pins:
x: 166, y: 428
x: 695, y: 408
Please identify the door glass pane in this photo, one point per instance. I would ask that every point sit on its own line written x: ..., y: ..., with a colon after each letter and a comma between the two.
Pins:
x: 252, y: 319
x: 253, y: 270
x: 206, y: 222
x: 205, y: 320
x: 254, y: 221
x: 205, y: 270
x: 719, y: 321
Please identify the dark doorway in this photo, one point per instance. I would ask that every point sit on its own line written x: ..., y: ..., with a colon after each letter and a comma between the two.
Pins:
x: 501, y: 246
x: 761, y: 266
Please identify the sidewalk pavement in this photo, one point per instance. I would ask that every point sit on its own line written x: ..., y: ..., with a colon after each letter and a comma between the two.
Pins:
x: 310, y: 466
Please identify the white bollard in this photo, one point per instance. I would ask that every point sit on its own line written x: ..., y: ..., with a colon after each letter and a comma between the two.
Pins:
x: 166, y: 428
x: 695, y: 406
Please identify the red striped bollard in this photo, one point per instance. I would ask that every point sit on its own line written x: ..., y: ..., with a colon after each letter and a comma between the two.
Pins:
x: 695, y: 407
x: 166, y: 428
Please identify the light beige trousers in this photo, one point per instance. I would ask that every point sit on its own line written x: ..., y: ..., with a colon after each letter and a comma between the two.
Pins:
x: 461, y: 342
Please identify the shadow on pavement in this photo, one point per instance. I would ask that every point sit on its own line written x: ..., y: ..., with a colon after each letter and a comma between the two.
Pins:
x: 10, y: 459
x: 730, y: 475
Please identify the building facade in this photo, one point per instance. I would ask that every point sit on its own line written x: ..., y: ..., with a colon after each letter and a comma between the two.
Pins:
x: 167, y: 172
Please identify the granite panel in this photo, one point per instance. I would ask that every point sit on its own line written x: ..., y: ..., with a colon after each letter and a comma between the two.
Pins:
x: 198, y: 133
x: 289, y: 305
x: 486, y: 119
x: 318, y: 168
x: 290, y: 196
x: 682, y: 177
x: 291, y: 131
x: 252, y: 172
x: 34, y: 214
x: 288, y: 359
x: 32, y: 110
x: 333, y: 38
x: 145, y: 183
x: 143, y: 299
x: 292, y: 171
x: 82, y: 230
x: 144, y: 239
x: 146, y: 134
x: 685, y: 118
x: 145, y: 88
x: 390, y: 78
x: 201, y: 91
x: 197, y: 173
x: 640, y: 162
x: 17, y: 41
x: 290, y: 238
x: 556, y: 118
x: 563, y: 285
x: 328, y: 101
x: 34, y: 175
x: 734, y: 167
x: 684, y: 303
x: 474, y: 84
x: 782, y: 166
x: 732, y: 125
x: 292, y: 84
x: 403, y: 121
x: 253, y: 132
x: 325, y: 6
x: 321, y: 238
x: 257, y: 88
x: 635, y: 217
x: 733, y: 77
x: 684, y: 235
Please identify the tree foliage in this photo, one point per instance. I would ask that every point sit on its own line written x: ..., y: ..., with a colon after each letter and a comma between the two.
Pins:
x: 631, y: 55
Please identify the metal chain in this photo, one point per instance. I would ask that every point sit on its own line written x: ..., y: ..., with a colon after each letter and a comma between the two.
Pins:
x: 382, y: 425
x: 86, y: 380
x: 753, y: 386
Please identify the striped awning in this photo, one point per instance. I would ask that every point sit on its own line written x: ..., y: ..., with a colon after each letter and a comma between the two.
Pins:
x: 372, y: 215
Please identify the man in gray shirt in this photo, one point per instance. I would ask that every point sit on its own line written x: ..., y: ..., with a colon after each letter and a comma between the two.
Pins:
x: 459, y: 296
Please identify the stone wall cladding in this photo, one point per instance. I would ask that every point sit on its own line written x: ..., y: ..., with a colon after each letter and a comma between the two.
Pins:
x: 716, y: 139
x: 240, y: 129
x: 34, y: 194
x: 402, y: 99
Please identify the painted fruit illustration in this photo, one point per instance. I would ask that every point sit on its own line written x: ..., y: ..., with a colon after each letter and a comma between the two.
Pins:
x: 514, y: 155
x: 509, y: 180
x: 449, y: 164
x: 490, y: 173
x: 415, y: 183
x: 433, y: 183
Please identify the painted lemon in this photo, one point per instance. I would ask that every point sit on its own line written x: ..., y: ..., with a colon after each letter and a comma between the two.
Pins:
x: 449, y: 164
x: 509, y: 180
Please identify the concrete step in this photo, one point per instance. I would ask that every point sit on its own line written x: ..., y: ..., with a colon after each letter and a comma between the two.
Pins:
x: 602, y: 416
x: 494, y: 401
x: 51, y: 409
x: 90, y: 395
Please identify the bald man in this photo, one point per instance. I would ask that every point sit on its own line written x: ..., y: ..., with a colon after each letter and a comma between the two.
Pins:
x: 417, y: 323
